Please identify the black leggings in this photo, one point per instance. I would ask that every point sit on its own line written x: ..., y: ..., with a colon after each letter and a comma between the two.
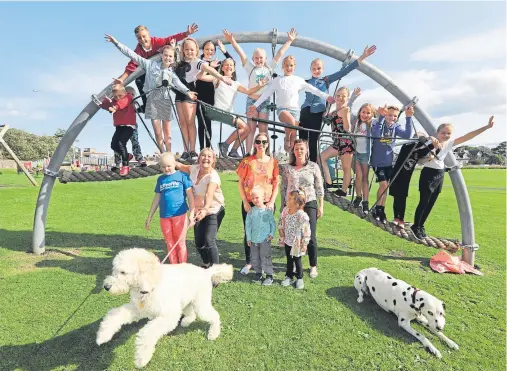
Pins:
x: 248, y: 253
x: 203, y: 124
x: 205, y: 236
x: 121, y: 136
x: 430, y: 186
x: 399, y: 207
x: 311, y: 210
x: 311, y: 120
x: 140, y: 85
x: 291, y: 261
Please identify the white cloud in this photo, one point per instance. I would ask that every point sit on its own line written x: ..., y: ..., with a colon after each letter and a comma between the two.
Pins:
x: 479, y: 47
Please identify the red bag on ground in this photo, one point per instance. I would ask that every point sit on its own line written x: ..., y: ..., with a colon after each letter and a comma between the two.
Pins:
x: 444, y: 262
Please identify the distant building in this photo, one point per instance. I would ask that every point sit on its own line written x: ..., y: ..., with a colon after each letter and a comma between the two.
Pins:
x: 91, y: 152
x: 462, y: 155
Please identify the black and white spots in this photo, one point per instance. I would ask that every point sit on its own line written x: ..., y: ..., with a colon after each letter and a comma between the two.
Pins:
x: 395, y: 283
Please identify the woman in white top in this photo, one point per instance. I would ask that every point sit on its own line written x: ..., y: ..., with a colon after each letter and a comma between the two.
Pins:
x: 224, y: 100
x: 158, y: 107
x: 287, y: 90
x: 209, y: 204
x: 432, y: 175
x: 188, y: 71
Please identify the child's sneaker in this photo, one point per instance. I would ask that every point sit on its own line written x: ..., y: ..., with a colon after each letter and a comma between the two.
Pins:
x: 193, y: 156
x: 257, y: 277
x: 268, y: 281
x: 398, y: 222
x: 366, y: 208
x: 115, y: 167
x: 245, y: 270
x: 286, y: 282
x: 124, y: 171
x: 143, y: 163
x: 417, y: 232
x: 382, y: 217
x: 223, y: 147
x: 184, y: 156
x: 233, y: 153
x: 340, y: 193
x: 299, y: 284
x: 357, y: 202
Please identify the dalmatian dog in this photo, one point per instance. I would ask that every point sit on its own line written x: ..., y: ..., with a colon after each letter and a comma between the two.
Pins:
x: 407, y: 303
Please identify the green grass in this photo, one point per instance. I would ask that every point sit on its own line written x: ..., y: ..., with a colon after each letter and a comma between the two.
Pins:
x: 51, y: 305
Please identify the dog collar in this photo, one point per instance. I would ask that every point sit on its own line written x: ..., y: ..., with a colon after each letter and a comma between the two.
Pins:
x: 413, y: 295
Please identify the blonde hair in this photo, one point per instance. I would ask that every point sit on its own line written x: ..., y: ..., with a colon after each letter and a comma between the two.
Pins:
x: 444, y: 125
x: 197, y: 50
x: 213, y: 164
x: 166, y: 158
x: 259, y: 50
x: 343, y: 88
x: 117, y: 87
x: 258, y: 190
x: 373, y: 114
x: 317, y: 60
x: 139, y: 29
x: 288, y: 58
x: 393, y: 108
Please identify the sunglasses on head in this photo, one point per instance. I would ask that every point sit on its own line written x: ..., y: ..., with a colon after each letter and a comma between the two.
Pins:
x: 257, y: 141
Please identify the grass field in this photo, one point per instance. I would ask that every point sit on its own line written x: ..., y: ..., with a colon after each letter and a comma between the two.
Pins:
x: 51, y: 305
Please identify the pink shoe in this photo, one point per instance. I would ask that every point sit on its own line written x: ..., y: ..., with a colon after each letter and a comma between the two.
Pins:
x: 124, y: 171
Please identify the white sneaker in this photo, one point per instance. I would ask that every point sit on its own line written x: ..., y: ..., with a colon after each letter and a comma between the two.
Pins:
x: 313, y: 273
x: 286, y: 282
x: 245, y: 270
x: 300, y: 284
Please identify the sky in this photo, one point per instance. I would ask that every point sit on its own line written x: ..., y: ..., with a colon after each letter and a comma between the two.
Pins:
x: 55, y: 56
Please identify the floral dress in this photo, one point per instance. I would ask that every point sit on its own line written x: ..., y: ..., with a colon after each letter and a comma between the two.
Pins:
x: 296, y: 229
x: 341, y: 144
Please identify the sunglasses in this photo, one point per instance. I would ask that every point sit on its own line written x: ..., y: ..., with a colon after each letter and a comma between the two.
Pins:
x: 257, y: 141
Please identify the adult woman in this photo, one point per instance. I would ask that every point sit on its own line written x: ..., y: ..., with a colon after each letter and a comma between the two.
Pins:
x: 257, y: 170
x: 302, y: 173
x: 209, y: 204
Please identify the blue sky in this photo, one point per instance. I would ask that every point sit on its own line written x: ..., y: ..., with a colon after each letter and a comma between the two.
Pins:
x: 453, y: 59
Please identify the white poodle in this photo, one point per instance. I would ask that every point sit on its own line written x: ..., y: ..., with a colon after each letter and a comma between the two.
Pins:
x: 162, y: 293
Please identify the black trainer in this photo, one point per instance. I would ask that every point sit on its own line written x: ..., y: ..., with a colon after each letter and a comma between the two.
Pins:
x: 340, y: 193
x: 417, y: 232
x: 423, y: 232
x: 366, y: 208
x: 257, y: 277
x: 357, y: 202
x: 382, y: 217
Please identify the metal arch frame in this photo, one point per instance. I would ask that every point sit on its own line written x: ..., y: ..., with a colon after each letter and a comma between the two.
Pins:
x: 51, y: 173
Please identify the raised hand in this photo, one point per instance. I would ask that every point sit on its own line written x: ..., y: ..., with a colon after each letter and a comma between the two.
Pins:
x: 111, y: 39
x: 173, y: 43
x: 117, y: 81
x: 330, y: 99
x: 344, y: 111
x: 409, y: 112
x: 264, y: 81
x: 221, y: 45
x: 434, y: 141
x: 291, y: 35
x: 228, y: 36
x: 214, y: 64
x: 491, y: 122
x: 357, y: 92
x: 368, y: 51
x: 382, y: 111
x: 193, y: 28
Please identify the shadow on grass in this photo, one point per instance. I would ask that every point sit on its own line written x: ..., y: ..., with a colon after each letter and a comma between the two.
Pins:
x: 370, y: 312
x: 76, y: 348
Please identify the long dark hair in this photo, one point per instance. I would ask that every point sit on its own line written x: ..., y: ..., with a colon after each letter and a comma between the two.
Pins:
x: 292, y: 156
x: 233, y: 77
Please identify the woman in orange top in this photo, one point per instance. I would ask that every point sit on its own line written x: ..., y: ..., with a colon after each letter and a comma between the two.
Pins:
x: 258, y: 170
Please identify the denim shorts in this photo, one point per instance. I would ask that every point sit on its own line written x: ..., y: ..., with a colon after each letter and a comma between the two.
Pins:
x: 263, y: 108
x: 293, y: 112
x: 362, y: 158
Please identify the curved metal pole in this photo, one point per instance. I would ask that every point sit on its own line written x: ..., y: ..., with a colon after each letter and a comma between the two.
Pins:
x: 464, y: 206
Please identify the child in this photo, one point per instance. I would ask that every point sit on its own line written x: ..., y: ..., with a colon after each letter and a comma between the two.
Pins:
x: 405, y: 168
x: 124, y: 120
x: 314, y: 107
x: 188, y: 70
x: 171, y: 193
x: 224, y: 100
x: 432, y: 175
x: 361, y: 125
x: 158, y: 106
x: 206, y: 93
x: 147, y: 47
x: 260, y: 230
x: 134, y: 139
x: 294, y: 230
x: 287, y: 90
x: 340, y: 124
x: 257, y: 71
x: 385, y: 126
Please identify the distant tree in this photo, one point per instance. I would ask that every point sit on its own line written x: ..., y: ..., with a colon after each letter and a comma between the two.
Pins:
x: 73, y: 151
x: 495, y: 160
x: 499, y: 149
x: 28, y: 146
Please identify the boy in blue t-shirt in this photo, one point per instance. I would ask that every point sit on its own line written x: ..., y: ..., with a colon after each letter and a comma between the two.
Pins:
x: 381, y: 159
x: 171, y: 193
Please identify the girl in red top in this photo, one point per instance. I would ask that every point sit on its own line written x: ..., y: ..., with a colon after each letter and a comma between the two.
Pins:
x: 147, y: 47
x: 124, y: 119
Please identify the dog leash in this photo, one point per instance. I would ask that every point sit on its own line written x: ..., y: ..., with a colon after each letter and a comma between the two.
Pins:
x: 191, y: 224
